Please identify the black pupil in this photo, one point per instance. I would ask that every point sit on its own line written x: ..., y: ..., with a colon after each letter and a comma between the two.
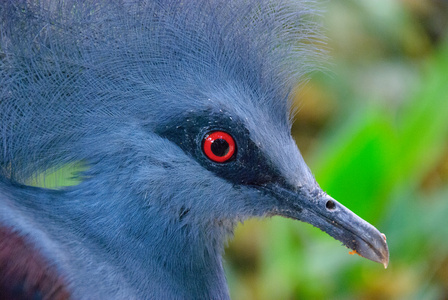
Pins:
x: 220, y: 147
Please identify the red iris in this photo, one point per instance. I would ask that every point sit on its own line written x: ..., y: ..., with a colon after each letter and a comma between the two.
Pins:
x: 219, y: 146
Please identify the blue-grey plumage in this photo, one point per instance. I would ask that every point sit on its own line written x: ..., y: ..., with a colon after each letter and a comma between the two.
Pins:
x: 132, y: 89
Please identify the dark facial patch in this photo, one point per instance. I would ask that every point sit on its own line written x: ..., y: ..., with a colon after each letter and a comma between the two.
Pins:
x: 248, y: 166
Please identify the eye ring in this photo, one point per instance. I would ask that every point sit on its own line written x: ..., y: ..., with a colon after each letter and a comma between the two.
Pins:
x: 219, y: 146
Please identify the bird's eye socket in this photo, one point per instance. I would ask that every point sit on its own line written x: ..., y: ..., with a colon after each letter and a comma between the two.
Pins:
x: 219, y: 146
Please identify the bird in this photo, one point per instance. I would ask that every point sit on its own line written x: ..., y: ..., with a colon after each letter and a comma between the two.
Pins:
x: 179, y: 113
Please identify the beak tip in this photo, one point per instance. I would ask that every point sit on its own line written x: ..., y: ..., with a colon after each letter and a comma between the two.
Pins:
x: 385, y: 261
x: 386, y: 255
x: 373, y: 248
x: 377, y: 251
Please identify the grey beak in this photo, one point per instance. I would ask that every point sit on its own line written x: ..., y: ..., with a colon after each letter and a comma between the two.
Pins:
x: 325, y: 213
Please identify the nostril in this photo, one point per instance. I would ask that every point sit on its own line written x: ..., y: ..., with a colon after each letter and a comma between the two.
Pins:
x: 330, y: 205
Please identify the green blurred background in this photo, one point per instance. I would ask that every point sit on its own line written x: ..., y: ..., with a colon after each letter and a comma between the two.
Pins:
x: 373, y: 127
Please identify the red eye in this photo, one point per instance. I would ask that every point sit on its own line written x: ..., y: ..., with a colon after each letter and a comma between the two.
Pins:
x: 219, y: 146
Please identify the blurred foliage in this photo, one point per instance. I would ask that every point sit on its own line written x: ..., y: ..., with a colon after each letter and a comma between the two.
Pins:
x: 373, y: 128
